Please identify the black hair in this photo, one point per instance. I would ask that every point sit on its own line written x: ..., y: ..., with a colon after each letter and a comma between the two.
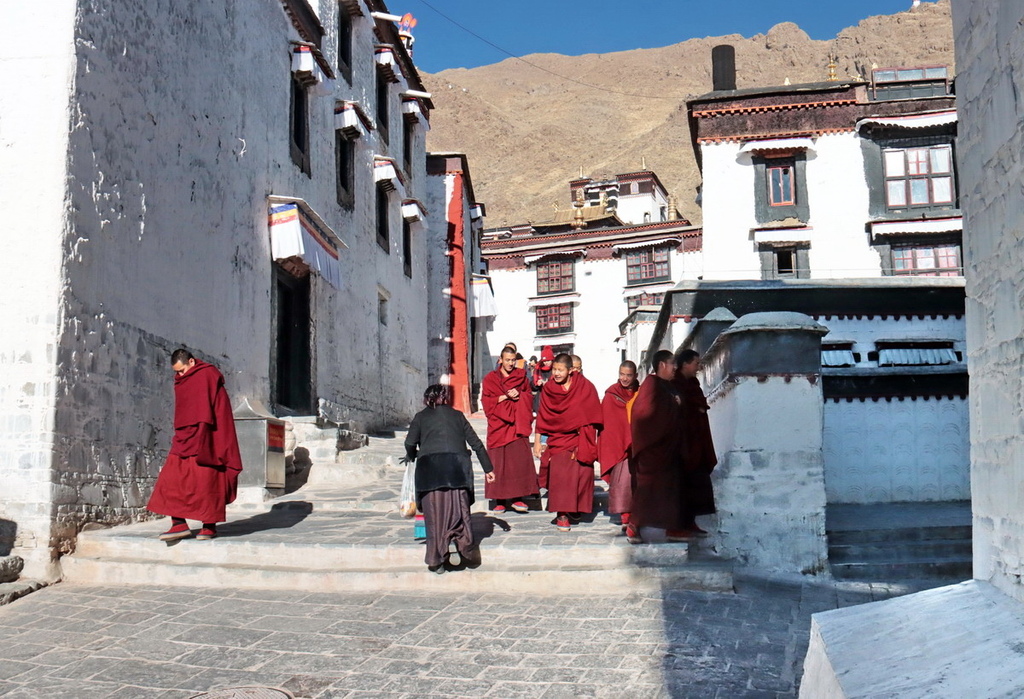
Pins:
x: 437, y: 394
x: 563, y: 359
x: 181, y: 355
x: 686, y: 356
x: 659, y: 357
x: 628, y: 365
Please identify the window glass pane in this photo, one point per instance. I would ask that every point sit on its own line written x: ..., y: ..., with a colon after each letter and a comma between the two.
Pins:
x: 940, y: 159
x: 919, y: 191
x: 780, y: 185
x: 924, y: 258
x: 910, y: 74
x: 917, y: 161
x: 882, y: 76
x: 935, y: 72
x: 895, y: 163
x: 897, y: 193
x: 942, y: 189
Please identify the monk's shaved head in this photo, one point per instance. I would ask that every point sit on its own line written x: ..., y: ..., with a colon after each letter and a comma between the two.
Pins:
x: 565, y: 360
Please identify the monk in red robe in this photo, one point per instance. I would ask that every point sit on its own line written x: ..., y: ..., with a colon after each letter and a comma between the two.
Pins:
x: 613, y: 445
x: 699, y: 458
x: 570, y: 416
x: 508, y: 405
x: 200, y: 476
x: 657, y: 444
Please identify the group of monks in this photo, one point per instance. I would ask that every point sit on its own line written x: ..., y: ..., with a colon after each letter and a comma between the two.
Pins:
x: 652, y: 442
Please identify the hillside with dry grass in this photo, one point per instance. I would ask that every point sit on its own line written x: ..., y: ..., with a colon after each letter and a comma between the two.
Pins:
x: 528, y: 132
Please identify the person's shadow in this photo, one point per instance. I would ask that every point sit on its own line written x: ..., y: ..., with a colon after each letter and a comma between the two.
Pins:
x: 483, y: 525
x: 281, y: 516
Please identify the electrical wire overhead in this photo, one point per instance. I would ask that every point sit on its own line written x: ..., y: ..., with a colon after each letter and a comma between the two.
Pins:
x: 542, y: 68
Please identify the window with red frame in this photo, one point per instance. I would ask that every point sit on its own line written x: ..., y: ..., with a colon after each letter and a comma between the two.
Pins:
x: 781, y: 181
x: 644, y: 299
x: 927, y: 261
x: 552, y: 320
x: 649, y: 265
x: 918, y: 176
x: 555, y: 277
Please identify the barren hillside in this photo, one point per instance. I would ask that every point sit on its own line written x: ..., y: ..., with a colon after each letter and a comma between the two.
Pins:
x: 527, y: 132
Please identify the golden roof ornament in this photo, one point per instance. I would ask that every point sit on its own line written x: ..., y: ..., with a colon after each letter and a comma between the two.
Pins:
x: 832, y: 65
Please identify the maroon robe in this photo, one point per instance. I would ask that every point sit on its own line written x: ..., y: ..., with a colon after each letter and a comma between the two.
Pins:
x: 657, y: 440
x: 200, y: 476
x: 613, y: 446
x: 570, y: 419
x: 509, y: 425
x: 699, y: 458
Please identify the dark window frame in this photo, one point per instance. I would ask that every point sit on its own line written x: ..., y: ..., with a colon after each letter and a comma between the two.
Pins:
x: 383, y: 108
x: 344, y: 168
x: 407, y: 248
x: 554, y: 320
x: 384, y: 219
x: 552, y: 276
x: 344, y: 43
x: 643, y: 266
x: 645, y: 298
x: 797, y: 267
x: 764, y: 210
x: 929, y: 177
x: 408, y: 141
x: 298, y: 125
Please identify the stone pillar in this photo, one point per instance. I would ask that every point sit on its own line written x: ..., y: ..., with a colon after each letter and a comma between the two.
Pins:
x: 766, y: 418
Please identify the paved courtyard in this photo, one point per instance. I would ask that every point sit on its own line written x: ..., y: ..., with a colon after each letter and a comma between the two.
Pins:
x: 80, y: 641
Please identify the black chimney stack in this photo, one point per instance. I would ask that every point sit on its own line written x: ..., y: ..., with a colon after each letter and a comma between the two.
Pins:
x: 723, y: 67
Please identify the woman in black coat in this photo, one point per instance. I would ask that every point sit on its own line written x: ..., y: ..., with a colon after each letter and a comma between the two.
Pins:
x: 437, y: 440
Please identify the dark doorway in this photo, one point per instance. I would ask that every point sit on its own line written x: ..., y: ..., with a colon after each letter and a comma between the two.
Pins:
x: 293, y: 389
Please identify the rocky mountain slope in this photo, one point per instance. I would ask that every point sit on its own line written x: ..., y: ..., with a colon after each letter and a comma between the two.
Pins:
x: 528, y: 132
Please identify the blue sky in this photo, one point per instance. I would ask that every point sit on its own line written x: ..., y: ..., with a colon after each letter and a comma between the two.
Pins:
x: 601, y: 26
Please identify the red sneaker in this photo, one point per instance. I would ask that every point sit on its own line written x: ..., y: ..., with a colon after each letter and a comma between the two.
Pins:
x: 520, y: 507
x: 178, y: 531
x: 498, y: 509
x: 562, y: 522
x: 632, y: 535
x: 206, y: 533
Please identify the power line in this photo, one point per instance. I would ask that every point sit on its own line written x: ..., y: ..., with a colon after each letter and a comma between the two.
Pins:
x: 541, y: 68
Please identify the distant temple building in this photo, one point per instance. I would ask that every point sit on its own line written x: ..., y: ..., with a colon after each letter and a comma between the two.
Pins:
x: 839, y: 201
x: 569, y: 281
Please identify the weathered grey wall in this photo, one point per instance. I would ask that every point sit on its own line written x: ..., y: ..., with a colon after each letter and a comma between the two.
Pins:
x: 179, y: 130
x: 36, y: 71
x: 990, y: 57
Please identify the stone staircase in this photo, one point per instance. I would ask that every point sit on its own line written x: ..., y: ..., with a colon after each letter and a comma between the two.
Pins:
x: 900, y: 541
x: 342, y: 532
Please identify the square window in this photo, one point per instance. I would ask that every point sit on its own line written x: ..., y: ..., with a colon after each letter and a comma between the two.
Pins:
x: 555, y: 277
x: 649, y: 265
x: 919, y: 177
x: 552, y: 320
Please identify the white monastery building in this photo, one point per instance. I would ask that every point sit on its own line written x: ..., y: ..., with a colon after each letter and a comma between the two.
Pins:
x: 248, y: 181
x: 569, y: 282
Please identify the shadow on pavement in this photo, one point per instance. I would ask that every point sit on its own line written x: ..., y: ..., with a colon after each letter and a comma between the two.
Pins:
x: 483, y: 525
x: 281, y: 516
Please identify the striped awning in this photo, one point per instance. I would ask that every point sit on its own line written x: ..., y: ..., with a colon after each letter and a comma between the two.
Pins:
x: 296, y: 231
x: 916, y: 356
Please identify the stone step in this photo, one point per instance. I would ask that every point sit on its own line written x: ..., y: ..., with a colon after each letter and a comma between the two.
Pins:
x: 900, y: 551
x: 899, y: 534
x: 487, y: 578
x: 949, y: 568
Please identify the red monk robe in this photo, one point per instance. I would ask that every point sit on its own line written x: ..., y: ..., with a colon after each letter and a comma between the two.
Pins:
x: 657, y: 496
x: 200, y: 476
x: 509, y: 425
x: 570, y: 419
x: 614, y: 447
x: 699, y: 458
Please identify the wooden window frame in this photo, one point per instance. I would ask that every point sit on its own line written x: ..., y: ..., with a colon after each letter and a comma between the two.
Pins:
x: 645, y: 266
x: 554, y: 320
x: 556, y: 277
x: 776, y: 165
x: 344, y: 168
x: 939, y: 252
x: 383, y: 203
x: 907, y: 177
x: 298, y: 125
x: 645, y: 299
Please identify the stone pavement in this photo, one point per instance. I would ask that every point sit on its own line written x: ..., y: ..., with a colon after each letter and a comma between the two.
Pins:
x: 146, y: 641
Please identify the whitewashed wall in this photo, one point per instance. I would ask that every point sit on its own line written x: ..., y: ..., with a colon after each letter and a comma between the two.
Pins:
x: 837, y: 195
x: 990, y: 59
x: 33, y: 191
x: 178, y: 133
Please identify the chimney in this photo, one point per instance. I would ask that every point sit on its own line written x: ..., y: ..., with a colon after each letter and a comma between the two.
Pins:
x: 723, y: 67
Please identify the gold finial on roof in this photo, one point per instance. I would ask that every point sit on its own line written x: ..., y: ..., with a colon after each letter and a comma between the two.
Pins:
x: 673, y: 211
x: 577, y: 218
x: 832, y: 65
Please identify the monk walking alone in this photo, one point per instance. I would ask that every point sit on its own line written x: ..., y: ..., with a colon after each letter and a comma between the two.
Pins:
x: 508, y: 405
x: 570, y: 415
x: 614, y: 443
x: 657, y: 444
x: 200, y: 477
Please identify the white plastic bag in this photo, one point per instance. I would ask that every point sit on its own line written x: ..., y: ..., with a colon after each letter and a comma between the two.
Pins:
x: 407, y: 498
